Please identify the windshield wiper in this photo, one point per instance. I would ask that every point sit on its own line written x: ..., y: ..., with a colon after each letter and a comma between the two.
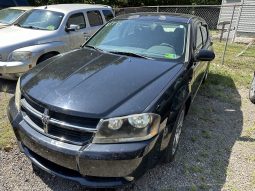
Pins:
x: 131, y: 54
x: 17, y: 24
x: 31, y: 27
x: 93, y: 47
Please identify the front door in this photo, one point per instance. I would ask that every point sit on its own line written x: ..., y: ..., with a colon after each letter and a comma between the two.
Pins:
x: 199, y: 67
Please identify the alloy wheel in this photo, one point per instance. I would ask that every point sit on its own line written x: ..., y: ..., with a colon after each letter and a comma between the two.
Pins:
x: 178, y: 132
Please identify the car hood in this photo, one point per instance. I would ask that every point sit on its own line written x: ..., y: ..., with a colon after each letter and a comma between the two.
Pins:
x: 90, y: 83
x: 17, y: 36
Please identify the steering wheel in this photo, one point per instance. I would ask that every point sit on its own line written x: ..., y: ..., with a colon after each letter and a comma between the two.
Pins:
x: 166, y: 44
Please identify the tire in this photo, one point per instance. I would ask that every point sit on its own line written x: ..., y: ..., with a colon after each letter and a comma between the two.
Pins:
x: 45, y: 57
x: 175, y: 137
x: 36, y: 170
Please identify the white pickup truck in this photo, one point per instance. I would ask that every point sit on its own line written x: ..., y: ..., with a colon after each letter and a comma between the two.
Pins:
x: 47, y: 31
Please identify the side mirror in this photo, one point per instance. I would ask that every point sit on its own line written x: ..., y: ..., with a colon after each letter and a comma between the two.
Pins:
x: 205, y: 55
x: 73, y: 28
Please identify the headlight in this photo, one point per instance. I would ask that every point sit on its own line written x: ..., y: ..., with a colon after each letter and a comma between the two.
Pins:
x: 18, y: 95
x: 127, y: 129
x: 21, y: 56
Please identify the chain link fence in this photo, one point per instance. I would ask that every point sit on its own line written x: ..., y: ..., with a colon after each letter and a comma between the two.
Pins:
x: 209, y: 13
x: 232, y: 27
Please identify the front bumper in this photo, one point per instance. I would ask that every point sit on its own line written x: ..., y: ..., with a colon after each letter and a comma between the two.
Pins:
x: 12, y: 70
x: 92, y: 165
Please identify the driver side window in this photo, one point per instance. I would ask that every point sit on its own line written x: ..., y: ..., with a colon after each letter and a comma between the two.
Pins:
x: 77, y: 19
x: 199, y: 38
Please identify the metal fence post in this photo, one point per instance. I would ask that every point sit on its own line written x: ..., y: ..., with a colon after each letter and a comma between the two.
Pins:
x: 229, y: 29
x: 238, y: 19
x: 157, y: 9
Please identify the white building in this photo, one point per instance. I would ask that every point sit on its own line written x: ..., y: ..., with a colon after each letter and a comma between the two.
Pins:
x: 243, y: 22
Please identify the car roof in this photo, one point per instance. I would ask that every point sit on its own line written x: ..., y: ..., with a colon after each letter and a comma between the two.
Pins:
x: 24, y: 8
x: 66, y: 8
x: 174, y: 17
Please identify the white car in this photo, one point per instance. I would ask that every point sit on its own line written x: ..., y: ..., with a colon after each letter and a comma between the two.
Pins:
x: 47, y: 31
x: 10, y: 15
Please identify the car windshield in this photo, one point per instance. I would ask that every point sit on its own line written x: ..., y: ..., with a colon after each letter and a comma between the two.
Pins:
x: 8, y: 16
x: 41, y: 20
x: 158, y: 39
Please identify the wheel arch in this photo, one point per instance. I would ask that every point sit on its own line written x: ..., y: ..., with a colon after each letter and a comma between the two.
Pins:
x: 50, y: 54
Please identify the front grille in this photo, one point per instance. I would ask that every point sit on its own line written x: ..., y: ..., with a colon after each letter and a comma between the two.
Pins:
x: 71, y: 129
x: 66, y: 134
x: 80, y: 121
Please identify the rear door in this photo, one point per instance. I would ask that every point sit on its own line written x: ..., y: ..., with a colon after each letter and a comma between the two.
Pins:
x: 77, y: 38
x: 95, y: 20
x: 108, y: 15
x: 206, y: 43
x: 199, y: 68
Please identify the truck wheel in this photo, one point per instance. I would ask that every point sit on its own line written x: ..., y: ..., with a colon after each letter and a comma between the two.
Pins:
x: 175, y: 137
x: 36, y: 170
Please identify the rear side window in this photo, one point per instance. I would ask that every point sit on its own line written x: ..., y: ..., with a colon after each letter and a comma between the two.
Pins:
x: 199, y: 40
x: 77, y: 19
x: 95, y: 18
x: 108, y: 15
x: 204, y: 33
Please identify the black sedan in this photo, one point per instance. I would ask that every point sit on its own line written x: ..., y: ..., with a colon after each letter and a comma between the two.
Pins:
x: 105, y: 113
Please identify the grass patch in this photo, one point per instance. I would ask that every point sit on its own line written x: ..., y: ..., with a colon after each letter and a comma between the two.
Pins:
x: 195, y: 169
x: 193, y: 187
x: 253, y: 179
x: 206, y: 134
x: 236, y: 71
x: 6, y: 133
x: 250, y: 131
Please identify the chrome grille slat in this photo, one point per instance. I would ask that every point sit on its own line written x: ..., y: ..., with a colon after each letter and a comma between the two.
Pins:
x: 36, y: 127
x: 56, y: 128
x: 56, y: 122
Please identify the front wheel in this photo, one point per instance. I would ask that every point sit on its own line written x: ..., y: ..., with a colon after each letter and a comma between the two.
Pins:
x: 175, y: 137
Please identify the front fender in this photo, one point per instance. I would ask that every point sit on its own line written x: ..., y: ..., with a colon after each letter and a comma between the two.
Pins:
x: 44, y: 48
x: 41, y: 49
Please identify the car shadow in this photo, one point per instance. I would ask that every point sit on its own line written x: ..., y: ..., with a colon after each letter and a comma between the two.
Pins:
x: 7, y: 86
x: 212, y: 126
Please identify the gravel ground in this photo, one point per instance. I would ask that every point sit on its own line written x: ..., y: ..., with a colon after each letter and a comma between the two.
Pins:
x: 217, y: 152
